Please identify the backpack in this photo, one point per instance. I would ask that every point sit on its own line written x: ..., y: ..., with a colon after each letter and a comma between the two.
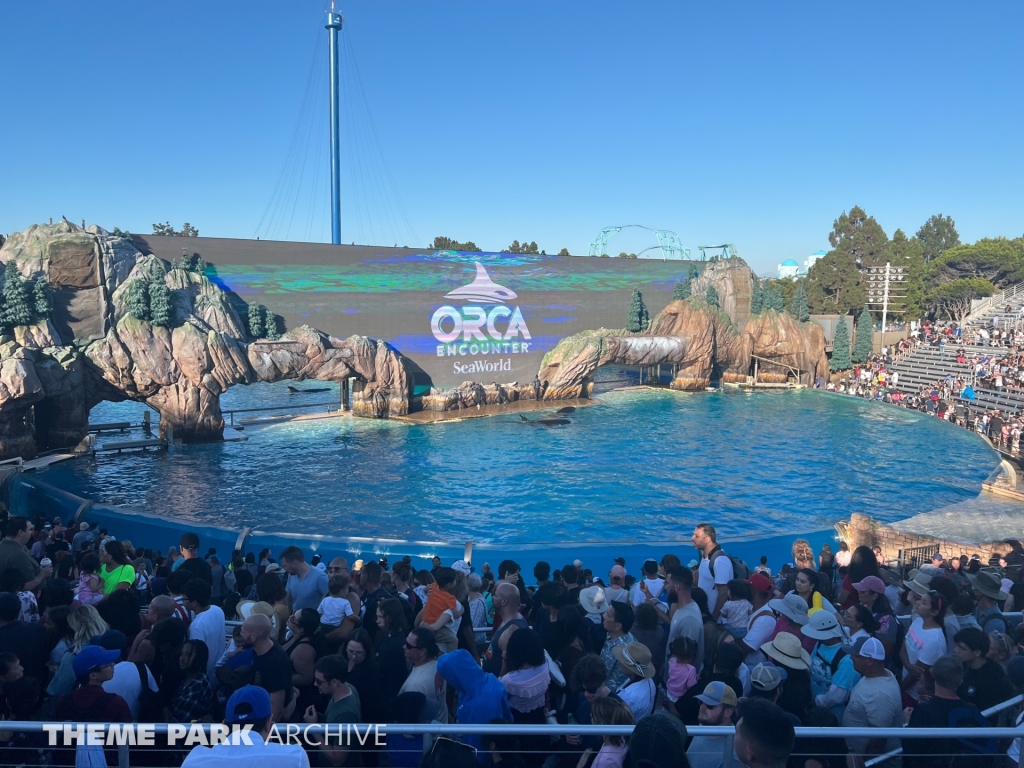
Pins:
x: 970, y: 717
x: 150, y: 710
x: 836, y: 660
x: 740, y: 569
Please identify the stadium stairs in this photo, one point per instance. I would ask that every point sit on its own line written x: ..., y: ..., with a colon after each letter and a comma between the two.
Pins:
x: 925, y: 366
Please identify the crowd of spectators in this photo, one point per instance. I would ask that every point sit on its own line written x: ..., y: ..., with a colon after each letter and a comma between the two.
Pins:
x: 953, y: 397
x: 94, y: 629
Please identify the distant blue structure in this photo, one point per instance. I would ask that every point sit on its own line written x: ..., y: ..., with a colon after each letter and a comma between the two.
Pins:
x: 333, y: 24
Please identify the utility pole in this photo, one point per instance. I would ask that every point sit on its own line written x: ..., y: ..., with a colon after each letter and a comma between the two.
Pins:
x: 333, y: 24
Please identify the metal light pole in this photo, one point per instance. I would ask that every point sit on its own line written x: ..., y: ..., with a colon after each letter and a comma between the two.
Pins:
x: 886, y: 285
x: 333, y: 24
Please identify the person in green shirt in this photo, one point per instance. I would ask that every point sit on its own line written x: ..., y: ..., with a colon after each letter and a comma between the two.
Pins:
x: 117, y: 571
x: 330, y: 675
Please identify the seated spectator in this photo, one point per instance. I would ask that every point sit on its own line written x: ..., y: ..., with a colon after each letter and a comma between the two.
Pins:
x: 985, y: 683
x: 251, y: 706
x: 193, y: 700
x: 945, y: 710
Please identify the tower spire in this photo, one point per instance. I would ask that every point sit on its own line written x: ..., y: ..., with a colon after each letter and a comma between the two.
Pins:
x: 333, y: 24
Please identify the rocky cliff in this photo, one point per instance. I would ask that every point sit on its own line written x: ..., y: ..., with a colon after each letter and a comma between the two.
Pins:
x: 94, y: 349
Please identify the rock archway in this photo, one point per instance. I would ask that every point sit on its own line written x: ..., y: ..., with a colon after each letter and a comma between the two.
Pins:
x: 93, y: 348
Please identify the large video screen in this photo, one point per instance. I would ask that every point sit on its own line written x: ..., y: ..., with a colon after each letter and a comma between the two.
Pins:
x: 456, y: 316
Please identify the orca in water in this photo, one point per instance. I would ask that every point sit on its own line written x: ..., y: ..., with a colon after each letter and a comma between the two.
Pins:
x: 545, y: 422
x: 567, y: 409
x: 293, y: 391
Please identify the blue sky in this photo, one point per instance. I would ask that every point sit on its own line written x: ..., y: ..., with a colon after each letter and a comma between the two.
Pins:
x: 750, y: 123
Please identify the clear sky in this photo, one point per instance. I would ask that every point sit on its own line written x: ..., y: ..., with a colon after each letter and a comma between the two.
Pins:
x: 749, y: 123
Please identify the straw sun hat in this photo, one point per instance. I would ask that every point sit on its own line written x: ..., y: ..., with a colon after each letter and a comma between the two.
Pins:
x: 786, y: 650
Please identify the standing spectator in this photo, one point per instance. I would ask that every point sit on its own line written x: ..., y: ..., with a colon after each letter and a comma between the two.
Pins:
x: 686, y: 620
x: 507, y: 620
x: 717, y: 705
x: 925, y: 643
x: 270, y: 590
x: 944, y: 710
x: 85, y: 622
x: 843, y: 555
x: 128, y: 679
x: 862, y: 564
x: 26, y: 641
x: 421, y: 651
x: 764, y: 734
x: 482, y: 699
x: 192, y: 563
x: 302, y: 651
x: 88, y: 702
x: 342, y: 707
x: 271, y: 666
x: 791, y: 612
x: 208, y: 624
x: 832, y: 673
x: 14, y: 553
x: 249, y: 705
x: 477, y: 607
x: 609, y: 711
x: 193, y: 700
x: 117, y: 572
x: 392, y: 630
x: 715, y: 568
x: 657, y: 740
x: 364, y: 676
x: 161, y: 608
x: 647, y: 630
x: 82, y: 540
x: 988, y: 590
x: 761, y: 623
x: 786, y: 650
x: 90, y: 586
x: 985, y: 683
x: 616, y: 589
x: 306, y: 585
x: 373, y: 593
x: 618, y: 621
x: 875, y: 702
x: 223, y: 581
x: 639, y: 692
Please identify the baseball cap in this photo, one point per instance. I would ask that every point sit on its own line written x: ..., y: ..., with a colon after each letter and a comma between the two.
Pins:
x: 252, y: 700
x: 937, y: 557
x: 718, y: 693
x: 617, y: 570
x: 111, y: 640
x: 760, y: 582
x: 870, y: 584
x: 870, y: 648
x: 92, y: 657
x: 462, y: 567
x: 765, y: 677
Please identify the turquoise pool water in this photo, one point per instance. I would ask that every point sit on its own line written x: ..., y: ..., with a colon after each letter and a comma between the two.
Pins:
x: 639, y: 466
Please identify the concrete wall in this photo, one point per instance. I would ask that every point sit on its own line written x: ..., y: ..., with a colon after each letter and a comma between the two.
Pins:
x: 862, y: 530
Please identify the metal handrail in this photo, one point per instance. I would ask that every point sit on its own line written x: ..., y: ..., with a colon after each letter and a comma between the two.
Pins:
x: 994, y: 300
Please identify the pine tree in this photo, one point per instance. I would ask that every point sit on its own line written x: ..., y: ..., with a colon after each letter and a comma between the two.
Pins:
x: 256, y: 321
x: 270, y: 327
x: 840, y: 348
x: 160, y: 303
x: 41, y: 305
x: 756, y: 298
x: 693, y: 271
x: 865, y: 327
x: 637, y: 319
x: 17, y: 310
x: 137, y: 299
x: 778, y: 303
x: 682, y: 290
x: 711, y: 296
x: 800, y: 309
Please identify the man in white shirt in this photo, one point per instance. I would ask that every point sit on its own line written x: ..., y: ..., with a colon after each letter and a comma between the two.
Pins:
x: 649, y: 586
x: 715, y: 568
x: 208, y: 624
x: 762, y: 619
x: 249, y: 705
x: 127, y: 679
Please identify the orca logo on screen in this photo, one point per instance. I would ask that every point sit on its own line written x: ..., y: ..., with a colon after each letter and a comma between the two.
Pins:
x: 474, y: 330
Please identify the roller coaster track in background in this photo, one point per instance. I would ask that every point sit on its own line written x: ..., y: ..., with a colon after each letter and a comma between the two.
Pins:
x: 668, y: 241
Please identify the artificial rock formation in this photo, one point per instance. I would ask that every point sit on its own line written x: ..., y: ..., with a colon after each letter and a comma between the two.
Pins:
x: 92, y: 349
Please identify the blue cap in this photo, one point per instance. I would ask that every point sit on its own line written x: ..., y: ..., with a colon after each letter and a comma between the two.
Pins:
x: 257, y: 701
x: 112, y: 640
x: 92, y: 657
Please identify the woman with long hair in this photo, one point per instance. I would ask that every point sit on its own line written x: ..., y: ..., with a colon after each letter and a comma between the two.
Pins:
x: 393, y: 626
x: 364, y: 675
x: 193, y: 699
x: 168, y: 637
x: 925, y: 643
x: 806, y: 585
x: 863, y: 563
x: 302, y: 649
x: 526, y: 683
x: 609, y: 711
x: 117, y: 571
x: 270, y: 589
x: 84, y: 623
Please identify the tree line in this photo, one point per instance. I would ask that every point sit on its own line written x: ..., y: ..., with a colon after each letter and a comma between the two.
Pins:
x: 530, y: 247
x: 942, y: 275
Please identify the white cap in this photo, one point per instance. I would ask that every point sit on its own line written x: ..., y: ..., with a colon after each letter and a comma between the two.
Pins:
x: 872, y: 649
